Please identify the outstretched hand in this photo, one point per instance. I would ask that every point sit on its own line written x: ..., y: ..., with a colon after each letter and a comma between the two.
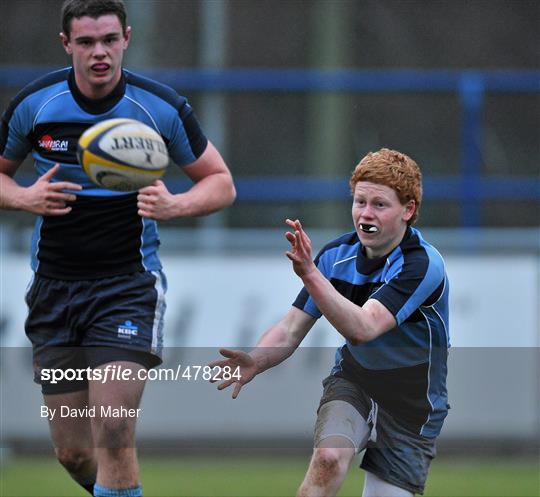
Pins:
x: 46, y: 198
x: 235, y: 359
x: 300, y: 253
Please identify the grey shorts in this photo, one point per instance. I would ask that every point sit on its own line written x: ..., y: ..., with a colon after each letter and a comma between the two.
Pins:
x: 393, y: 452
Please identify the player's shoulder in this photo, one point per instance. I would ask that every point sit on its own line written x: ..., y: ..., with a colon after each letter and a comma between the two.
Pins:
x: 416, y: 248
x: 25, y: 105
x: 160, y: 91
x: 341, y: 246
x: 349, y: 239
x: 42, y: 87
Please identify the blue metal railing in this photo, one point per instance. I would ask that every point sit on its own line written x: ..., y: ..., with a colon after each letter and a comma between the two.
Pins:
x: 290, y: 80
x: 470, y: 188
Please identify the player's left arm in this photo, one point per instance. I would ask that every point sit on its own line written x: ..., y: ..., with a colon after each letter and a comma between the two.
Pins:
x: 357, y: 324
x: 213, y: 190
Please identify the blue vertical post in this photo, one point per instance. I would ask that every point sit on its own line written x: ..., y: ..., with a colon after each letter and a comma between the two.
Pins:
x: 471, y: 91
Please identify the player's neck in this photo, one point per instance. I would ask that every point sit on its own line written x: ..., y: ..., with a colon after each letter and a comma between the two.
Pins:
x: 96, y: 92
x: 385, y: 250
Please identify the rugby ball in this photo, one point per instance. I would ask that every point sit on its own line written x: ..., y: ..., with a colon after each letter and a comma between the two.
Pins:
x: 122, y: 154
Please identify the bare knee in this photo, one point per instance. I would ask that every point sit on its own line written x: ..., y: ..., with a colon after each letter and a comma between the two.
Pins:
x: 329, y: 464
x: 76, y: 461
x: 115, y: 433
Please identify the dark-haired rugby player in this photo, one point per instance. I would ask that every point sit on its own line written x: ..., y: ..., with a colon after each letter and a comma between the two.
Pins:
x: 98, y: 285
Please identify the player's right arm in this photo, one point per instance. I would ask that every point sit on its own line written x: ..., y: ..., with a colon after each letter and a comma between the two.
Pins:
x: 44, y: 197
x: 274, y: 346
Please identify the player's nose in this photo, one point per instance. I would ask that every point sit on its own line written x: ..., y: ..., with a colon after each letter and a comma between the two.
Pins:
x: 366, y: 212
x: 99, y: 50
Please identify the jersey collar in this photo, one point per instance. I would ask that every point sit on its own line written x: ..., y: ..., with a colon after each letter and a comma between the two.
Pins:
x: 97, y: 105
x: 367, y: 266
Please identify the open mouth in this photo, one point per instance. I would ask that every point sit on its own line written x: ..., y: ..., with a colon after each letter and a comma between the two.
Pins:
x: 369, y: 228
x: 100, y: 67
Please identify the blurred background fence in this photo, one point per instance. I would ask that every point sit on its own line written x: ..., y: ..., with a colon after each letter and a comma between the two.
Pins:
x: 294, y: 94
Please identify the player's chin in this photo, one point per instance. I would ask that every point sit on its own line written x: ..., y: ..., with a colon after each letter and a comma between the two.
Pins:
x: 366, y: 237
x: 101, y: 78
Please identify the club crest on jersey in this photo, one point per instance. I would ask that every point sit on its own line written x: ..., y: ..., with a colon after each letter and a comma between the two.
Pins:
x: 47, y: 142
x: 127, y: 330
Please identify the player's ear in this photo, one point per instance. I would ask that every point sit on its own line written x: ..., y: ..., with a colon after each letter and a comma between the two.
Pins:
x: 64, y: 39
x: 127, y: 36
x: 409, y: 209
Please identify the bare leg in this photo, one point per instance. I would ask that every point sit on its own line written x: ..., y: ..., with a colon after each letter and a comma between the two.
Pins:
x: 328, y: 468
x: 72, y: 437
x: 114, y: 436
x: 340, y: 432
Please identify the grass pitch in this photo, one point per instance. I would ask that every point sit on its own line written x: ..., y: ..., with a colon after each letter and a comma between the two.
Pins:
x: 270, y: 477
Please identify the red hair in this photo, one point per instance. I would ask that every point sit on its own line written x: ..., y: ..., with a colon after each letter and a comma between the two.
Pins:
x: 395, y: 170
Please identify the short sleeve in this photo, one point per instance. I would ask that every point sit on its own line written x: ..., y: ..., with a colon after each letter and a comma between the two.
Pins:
x: 14, y: 130
x: 188, y: 141
x: 419, y: 282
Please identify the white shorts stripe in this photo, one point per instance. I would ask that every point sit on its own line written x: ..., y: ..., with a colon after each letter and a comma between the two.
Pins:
x: 157, y: 327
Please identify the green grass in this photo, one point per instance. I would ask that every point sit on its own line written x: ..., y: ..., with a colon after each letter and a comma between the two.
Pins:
x: 270, y: 477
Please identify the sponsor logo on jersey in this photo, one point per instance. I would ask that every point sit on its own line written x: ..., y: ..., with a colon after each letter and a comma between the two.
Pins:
x: 127, y: 330
x: 47, y: 142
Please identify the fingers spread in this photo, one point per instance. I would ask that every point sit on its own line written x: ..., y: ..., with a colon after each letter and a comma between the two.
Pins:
x: 291, y: 256
x: 237, y: 389
x: 299, y: 241
x: 226, y: 383
x: 50, y: 173
x: 61, y: 197
x: 305, y: 237
x: 57, y: 211
x: 231, y: 354
x: 219, y: 363
x: 64, y: 185
x: 55, y: 203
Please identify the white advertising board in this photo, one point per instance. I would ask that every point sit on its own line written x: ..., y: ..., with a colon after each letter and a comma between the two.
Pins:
x: 229, y: 301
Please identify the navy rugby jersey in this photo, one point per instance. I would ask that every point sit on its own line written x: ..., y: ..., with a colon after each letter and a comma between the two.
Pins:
x: 103, y: 235
x: 404, y: 369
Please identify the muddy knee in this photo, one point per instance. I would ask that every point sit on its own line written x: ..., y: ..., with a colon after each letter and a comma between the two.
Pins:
x: 329, y: 464
x: 115, y: 433
x: 76, y: 461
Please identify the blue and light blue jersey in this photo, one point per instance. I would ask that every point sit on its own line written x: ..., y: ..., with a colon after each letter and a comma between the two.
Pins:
x: 103, y: 235
x: 404, y: 370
